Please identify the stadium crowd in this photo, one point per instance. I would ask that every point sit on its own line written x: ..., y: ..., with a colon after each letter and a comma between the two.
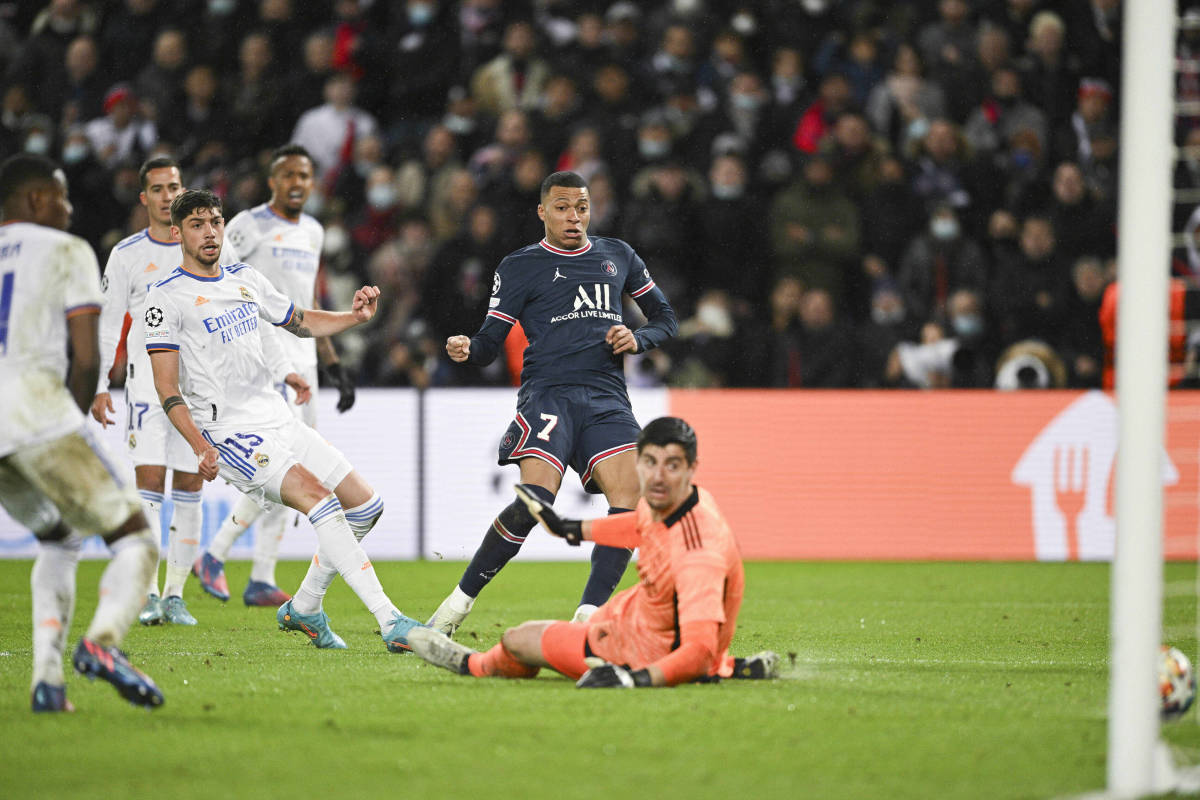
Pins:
x: 852, y: 193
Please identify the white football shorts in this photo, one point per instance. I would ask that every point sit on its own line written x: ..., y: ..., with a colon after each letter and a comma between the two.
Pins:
x: 150, y: 438
x: 255, y: 459
x: 72, y: 478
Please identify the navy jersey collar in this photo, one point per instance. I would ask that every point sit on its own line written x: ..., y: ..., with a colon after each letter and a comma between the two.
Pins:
x: 568, y: 253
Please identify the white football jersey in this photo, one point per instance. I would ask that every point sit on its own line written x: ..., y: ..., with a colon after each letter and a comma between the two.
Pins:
x: 213, y: 323
x: 46, y: 276
x: 134, y: 265
x: 288, y: 254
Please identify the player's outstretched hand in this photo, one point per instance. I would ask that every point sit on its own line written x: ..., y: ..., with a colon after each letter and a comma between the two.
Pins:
x: 299, y: 386
x: 569, y: 529
x: 612, y: 676
x: 208, y: 464
x: 621, y: 340
x: 336, y: 374
x: 458, y: 348
x: 365, y: 303
x: 102, y: 402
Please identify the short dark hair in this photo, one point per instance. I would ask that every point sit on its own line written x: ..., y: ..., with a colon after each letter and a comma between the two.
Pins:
x: 22, y: 169
x: 191, y: 200
x: 285, y: 151
x: 158, y: 162
x: 571, y: 180
x: 669, y: 430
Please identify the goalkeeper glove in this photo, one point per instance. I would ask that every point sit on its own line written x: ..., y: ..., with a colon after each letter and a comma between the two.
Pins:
x: 608, y: 676
x: 569, y: 529
x: 336, y: 374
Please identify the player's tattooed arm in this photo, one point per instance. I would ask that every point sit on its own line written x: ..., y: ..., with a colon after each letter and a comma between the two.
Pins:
x: 296, y: 325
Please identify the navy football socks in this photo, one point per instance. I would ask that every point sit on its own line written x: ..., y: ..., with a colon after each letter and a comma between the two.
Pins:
x: 608, y: 565
x: 503, y: 540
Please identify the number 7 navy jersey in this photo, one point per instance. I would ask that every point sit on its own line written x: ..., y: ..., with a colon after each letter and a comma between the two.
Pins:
x: 566, y: 300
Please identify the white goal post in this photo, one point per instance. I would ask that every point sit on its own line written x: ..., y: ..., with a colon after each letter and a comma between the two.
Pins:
x: 1137, y: 762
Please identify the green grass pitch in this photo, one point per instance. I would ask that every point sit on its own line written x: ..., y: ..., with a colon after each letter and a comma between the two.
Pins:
x: 899, y: 680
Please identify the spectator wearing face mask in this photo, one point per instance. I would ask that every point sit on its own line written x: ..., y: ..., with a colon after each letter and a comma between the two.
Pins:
x: 733, y: 245
x: 971, y: 364
x: 379, y: 220
x: 886, y: 326
x: 939, y: 261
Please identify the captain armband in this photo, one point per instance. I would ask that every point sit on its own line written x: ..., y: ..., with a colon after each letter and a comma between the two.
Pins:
x: 171, y: 402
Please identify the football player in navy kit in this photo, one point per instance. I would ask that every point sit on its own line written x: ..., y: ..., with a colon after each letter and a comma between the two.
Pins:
x: 572, y: 408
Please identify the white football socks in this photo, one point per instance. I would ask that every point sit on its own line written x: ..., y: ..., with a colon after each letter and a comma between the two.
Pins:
x: 271, y: 527
x: 53, y: 583
x: 134, y: 557
x: 338, y: 547
x: 320, y: 573
x: 153, y: 503
x: 243, y: 516
x: 183, y: 541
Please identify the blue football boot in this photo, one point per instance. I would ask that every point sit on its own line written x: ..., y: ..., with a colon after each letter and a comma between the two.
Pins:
x: 314, y: 626
x: 152, y: 612
x: 175, y: 611
x: 260, y: 593
x: 397, y: 633
x: 109, y: 663
x: 50, y: 698
x: 212, y: 576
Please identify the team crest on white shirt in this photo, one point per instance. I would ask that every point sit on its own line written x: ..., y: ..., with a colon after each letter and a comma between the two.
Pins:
x: 262, y: 459
x: 249, y: 298
x: 132, y: 442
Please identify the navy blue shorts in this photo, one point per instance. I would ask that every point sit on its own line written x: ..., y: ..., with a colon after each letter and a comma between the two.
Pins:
x: 575, y: 426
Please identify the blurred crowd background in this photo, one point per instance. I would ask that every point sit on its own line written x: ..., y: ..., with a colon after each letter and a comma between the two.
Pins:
x: 853, y: 193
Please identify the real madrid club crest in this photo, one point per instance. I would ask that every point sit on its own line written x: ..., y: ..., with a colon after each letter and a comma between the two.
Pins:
x: 249, y: 298
x: 262, y: 459
x: 132, y: 442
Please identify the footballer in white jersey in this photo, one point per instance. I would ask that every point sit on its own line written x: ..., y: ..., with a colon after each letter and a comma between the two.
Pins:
x: 54, y: 478
x: 284, y: 244
x: 153, y: 444
x: 288, y: 253
x: 134, y: 265
x: 203, y: 333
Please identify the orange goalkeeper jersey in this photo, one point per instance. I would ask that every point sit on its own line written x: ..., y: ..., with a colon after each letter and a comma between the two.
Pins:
x: 689, y: 569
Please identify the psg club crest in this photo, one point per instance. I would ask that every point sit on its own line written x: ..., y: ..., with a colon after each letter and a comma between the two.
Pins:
x: 262, y: 459
x: 495, y: 283
x: 609, y: 268
x: 249, y: 298
x: 154, y: 317
x: 507, y: 442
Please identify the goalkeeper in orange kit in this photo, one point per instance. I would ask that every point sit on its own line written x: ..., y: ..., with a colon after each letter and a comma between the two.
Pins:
x: 673, y: 626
